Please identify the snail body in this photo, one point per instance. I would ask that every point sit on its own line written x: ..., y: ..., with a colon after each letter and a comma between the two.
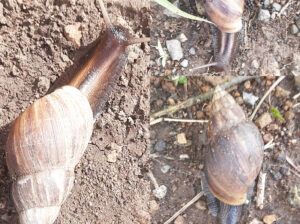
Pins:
x: 48, y: 139
x: 235, y: 153
x: 227, y: 15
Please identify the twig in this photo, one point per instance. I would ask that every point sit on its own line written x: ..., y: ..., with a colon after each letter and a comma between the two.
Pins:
x: 284, y: 8
x: 296, y: 96
x: 261, y: 190
x: 152, y: 178
x: 204, y: 66
x: 154, y: 155
x: 176, y: 120
x: 290, y: 161
x: 196, y: 198
x: 198, y: 99
x: 266, y: 94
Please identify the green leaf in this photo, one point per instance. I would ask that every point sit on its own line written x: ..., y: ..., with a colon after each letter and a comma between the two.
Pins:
x: 168, y: 5
x: 275, y: 113
x: 182, y: 79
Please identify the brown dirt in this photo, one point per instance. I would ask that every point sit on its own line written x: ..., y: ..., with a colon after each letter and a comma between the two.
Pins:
x: 33, y: 45
x: 261, y: 41
x: 183, y: 178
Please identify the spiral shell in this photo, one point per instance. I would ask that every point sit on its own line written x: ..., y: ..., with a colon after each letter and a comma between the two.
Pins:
x: 43, y: 148
x: 226, y: 14
x: 235, y: 150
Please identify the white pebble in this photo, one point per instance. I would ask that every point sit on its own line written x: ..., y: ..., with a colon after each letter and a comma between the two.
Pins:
x: 184, y: 63
x: 276, y: 6
x: 182, y: 38
x: 264, y: 15
x: 174, y: 48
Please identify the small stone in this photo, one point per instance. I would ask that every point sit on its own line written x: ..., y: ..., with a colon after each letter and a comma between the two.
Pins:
x: 73, y: 33
x: 112, y: 157
x: 276, y: 6
x: 153, y: 206
x: 175, y: 50
x: 43, y: 84
x: 294, y: 29
x: 160, y: 146
x: 182, y: 38
x: 249, y: 98
x: 269, y: 219
x: 289, y: 115
x: 296, y: 68
x: 165, y: 168
x: 247, y: 85
x: 281, y: 92
x: 201, y: 205
x: 184, y: 63
x: 179, y: 220
x: 171, y: 101
x: 270, y: 67
x: 181, y: 139
x: 192, y: 51
x: 264, y: 15
x: 255, y: 64
x: 273, y: 127
x: 159, y: 103
x: 264, y: 120
x: 199, y: 114
x: 256, y: 221
x: 284, y: 171
x: 279, y: 156
x: 160, y: 192
x: 184, y: 156
x: 168, y: 87
x: 266, y: 3
x: 267, y: 138
x: 277, y: 176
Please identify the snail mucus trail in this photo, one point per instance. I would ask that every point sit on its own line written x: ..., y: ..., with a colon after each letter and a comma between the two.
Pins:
x: 233, y: 158
x: 227, y: 16
x: 48, y: 139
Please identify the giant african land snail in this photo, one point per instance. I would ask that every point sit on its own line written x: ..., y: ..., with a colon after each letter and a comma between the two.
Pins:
x: 48, y: 139
x: 233, y: 160
x: 227, y: 16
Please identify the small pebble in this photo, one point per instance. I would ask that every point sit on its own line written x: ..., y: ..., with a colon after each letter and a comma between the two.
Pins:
x: 294, y: 29
x: 179, y: 220
x: 112, y: 157
x: 201, y: 205
x: 289, y: 115
x: 184, y: 156
x: 175, y: 49
x: 73, y: 33
x: 160, y: 192
x: 160, y: 146
x: 277, y: 176
x: 267, y: 137
x: 264, y: 120
x: 269, y: 219
x: 181, y: 139
x: 249, y: 98
x: 276, y: 6
x: 43, y: 84
x: 284, y: 171
x: 192, y: 51
x: 266, y: 3
x: 184, y: 63
x: 182, y: 38
x: 279, y: 156
x: 255, y: 64
x: 165, y: 168
x: 171, y: 101
x: 199, y: 114
x: 264, y: 15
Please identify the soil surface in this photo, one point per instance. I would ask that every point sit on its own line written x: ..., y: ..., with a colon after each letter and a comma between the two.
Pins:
x: 179, y: 166
x: 266, y: 48
x: 34, y: 53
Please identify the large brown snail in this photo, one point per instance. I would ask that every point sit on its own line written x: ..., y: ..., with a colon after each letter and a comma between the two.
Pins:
x: 227, y: 16
x: 48, y: 139
x: 233, y: 159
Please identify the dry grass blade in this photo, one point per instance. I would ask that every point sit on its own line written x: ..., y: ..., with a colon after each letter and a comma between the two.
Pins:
x: 156, y: 121
x: 290, y: 161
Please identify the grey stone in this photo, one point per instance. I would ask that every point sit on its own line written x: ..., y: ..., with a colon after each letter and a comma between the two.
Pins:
x: 266, y: 3
x: 160, y: 146
x: 184, y: 63
x: 249, y: 98
x: 276, y: 6
x: 294, y: 29
x: 264, y: 15
x: 165, y: 168
x: 277, y: 176
x: 174, y: 48
x: 192, y: 51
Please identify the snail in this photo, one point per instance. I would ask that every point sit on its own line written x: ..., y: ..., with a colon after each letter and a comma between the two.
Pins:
x: 227, y: 16
x: 233, y: 159
x: 48, y: 139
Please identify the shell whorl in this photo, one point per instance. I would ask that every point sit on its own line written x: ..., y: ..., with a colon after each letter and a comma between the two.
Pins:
x: 235, y: 150
x: 43, y: 147
x: 226, y: 14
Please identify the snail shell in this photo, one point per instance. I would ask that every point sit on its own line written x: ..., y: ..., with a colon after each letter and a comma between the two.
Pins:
x: 235, y: 150
x: 43, y: 148
x: 226, y: 14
